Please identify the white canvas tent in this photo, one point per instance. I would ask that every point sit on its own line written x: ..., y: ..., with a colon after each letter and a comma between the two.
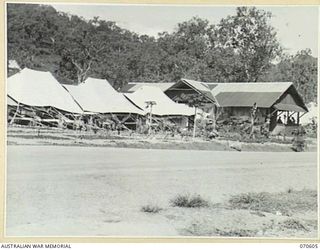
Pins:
x: 11, y: 102
x: 164, y: 105
x: 98, y: 96
x: 40, y: 89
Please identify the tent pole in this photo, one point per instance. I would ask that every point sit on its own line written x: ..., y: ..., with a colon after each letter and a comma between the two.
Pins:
x: 150, y: 121
x: 302, y: 115
x: 291, y: 114
x: 275, y: 112
x: 126, y: 118
x: 15, y: 114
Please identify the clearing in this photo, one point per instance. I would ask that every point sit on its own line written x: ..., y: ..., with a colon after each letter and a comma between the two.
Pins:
x: 100, y: 191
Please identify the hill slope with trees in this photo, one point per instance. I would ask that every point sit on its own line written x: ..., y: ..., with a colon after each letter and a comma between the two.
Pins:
x: 240, y: 48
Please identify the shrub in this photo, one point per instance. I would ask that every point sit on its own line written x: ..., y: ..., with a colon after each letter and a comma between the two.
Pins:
x: 248, y: 201
x: 204, y: 229
x: 293, y: 224
x: 284, y: 203
x: 290, y: 190
x: 189, y: 201
x: 151, y: 209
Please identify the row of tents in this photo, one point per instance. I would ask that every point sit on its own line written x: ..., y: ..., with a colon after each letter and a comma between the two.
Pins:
x: 37, y: 97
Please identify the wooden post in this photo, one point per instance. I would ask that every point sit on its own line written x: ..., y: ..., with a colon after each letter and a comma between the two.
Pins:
x: 15, y: 114
x: 298, y: 118
x: 136, y: 120
x: 150, y: 119
x: 194, y: 123
x: 150, y: 104
x: 214, y: 110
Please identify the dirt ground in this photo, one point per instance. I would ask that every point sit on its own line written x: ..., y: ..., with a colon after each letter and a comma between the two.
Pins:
x: 100, y: 191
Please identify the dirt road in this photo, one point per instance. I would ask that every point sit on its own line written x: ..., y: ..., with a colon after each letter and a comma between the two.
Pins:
x: 92, y: 191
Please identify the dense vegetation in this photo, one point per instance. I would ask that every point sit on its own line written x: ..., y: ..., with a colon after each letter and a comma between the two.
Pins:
x: 241, y: 47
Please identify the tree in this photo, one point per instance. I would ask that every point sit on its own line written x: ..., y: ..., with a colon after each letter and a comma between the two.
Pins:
x: 241, y: 47
x: 80, y: 47
x: 196, y: 101
x: 31, y: 33
x: 186, y: 49
x: 301, y: 69
x: 252, y: 39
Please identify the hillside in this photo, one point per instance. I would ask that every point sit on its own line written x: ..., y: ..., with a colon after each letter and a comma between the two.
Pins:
x: 72, y: 48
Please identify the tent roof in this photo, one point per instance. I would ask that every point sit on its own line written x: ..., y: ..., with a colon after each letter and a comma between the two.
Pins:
x: 264, y: 94
x: 262, y: 87
x: 164, y: 105
x: 11, y: 102
x: 197, y: 86
x: 97, y: 95
x: 245, y: 94
x: 38, y: 88
x: 133, y: 86
x: 247, y: 99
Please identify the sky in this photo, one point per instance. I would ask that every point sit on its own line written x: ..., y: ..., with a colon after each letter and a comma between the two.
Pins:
x: 297, y: 27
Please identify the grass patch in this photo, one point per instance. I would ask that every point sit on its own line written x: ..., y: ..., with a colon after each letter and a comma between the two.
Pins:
x: 203, y: 230
x: 151, y: 209
x: 190, y: 201
x: 236, y: 233
x: 285, y: 203
x: 293, y: 224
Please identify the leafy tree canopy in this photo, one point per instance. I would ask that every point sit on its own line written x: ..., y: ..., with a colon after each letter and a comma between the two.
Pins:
x: 241, y: 47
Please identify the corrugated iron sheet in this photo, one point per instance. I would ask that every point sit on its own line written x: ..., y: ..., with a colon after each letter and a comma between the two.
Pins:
x: 263, y: 87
